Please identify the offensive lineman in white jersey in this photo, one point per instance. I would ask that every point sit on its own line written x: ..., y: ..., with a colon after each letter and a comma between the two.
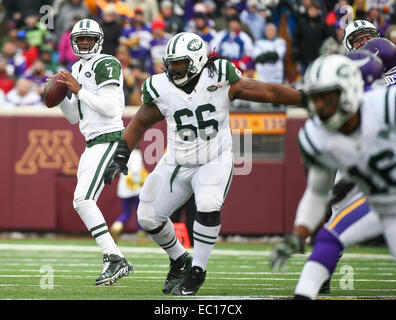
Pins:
x: 193, y: 96
x: 354, y: 133
x: 97, y: 104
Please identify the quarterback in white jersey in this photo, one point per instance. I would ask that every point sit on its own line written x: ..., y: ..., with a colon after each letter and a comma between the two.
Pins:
x: 97, y: 104
x: 193, y: 96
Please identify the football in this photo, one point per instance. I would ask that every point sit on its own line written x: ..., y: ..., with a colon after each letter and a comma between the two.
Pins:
x: 54, y: 91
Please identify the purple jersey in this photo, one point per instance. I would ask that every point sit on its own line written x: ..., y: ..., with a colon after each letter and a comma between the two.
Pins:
x: 142, y: 49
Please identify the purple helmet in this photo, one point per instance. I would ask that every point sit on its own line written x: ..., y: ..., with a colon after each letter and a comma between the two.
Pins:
x: 384, y: 49
x: 369, y: 64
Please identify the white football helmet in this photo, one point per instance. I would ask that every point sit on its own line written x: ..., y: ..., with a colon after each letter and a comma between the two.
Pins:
x: 333, y: 72
x: 357, y: 29
x: 185, y: 45
x: 87, y: 27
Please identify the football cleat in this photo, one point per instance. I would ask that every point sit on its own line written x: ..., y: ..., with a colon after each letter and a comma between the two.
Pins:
x: 325, y: 288
x: 114, y: 268
x: 178, y: 269
x: 190, y: 283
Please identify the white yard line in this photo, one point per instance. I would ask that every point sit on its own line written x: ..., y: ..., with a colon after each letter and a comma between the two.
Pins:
x: 82, y: 248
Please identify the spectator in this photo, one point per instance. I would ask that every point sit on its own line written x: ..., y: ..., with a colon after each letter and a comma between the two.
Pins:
x: 378, y: 20
x: 173, y: 23
x: 149, y: 7
x: 17, y: 10
x: 6, y: 71
x: 360, y: 12
x: 391, y: 34
x: 254, y: 19
x: 112, y: 29
x: 308, y: 37
x: 123, y: 55
x: 16, y: 62
x: 23, y: 95
x: 158, y: 43
x: 230, y: 10
x: 268, y: 54
x: 334, y: 44
x: 38, y: 75
x: 30, y: 53
x: 136, y: 97
x: 66, y: 16
x: 46, y: 55
x: 35, y: 30
x: 123, y: 10
x: 233, y: 44
x: 137, y: 37
x: 201, y: 27
x: 66, y: 54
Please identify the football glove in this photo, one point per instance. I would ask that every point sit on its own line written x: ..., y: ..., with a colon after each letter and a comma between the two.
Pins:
x: 282, y: 252
x: 119, y: 163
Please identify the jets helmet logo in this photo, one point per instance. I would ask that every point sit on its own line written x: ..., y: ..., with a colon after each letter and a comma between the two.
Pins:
x: 194, y: 45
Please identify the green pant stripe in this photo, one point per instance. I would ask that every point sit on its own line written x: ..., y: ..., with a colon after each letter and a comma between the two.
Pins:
x: 101, y: 179
x: 169, y: 244
x: 204, y: 235
x: 206, y: 242
x: 93, y: 183
x: 98, y: 227
x: 174, y: 174
x: 100, y: 233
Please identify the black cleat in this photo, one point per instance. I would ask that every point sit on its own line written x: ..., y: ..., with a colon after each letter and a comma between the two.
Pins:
x: 178, y: 269
x: 190, y: 283
x: 325, y: 288
x: 114, y: 268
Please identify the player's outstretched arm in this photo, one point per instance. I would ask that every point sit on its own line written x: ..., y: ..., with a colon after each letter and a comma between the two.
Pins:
x: 258, y: 91
x: 145, y: 117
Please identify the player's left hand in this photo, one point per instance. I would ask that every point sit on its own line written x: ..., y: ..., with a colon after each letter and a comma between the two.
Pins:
x: 70, y: 81
x: 119, y: 163
x: 282, y: 252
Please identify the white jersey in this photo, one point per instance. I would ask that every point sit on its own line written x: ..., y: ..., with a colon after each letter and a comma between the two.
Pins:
x: 92, y: 75
x: 367, y: 157
x: 197, y: 123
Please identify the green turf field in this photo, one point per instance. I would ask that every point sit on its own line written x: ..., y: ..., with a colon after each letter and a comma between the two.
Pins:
x: 66, y: 269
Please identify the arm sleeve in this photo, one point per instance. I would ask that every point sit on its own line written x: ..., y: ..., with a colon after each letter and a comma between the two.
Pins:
x: 69, y: 109
x: 312, y: 207
x: 103, y: 102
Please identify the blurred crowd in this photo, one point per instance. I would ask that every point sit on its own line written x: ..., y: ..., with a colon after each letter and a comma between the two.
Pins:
x: 269, y: 40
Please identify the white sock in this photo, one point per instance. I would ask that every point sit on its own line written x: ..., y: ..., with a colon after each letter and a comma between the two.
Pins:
x: 204, y: 241
x: 96, y: 224
x: 311, y: 279
x: 167, y: 239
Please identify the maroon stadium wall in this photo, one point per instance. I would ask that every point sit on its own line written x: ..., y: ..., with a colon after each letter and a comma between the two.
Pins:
x: 38, y: 165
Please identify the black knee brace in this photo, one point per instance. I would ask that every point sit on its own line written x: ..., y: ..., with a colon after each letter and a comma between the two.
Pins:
x: 208, y: 219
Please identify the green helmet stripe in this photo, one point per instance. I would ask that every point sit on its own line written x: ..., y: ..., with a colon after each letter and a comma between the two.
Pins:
x: 174, y: 43
x: 88, y: 23
x: 81, y: 23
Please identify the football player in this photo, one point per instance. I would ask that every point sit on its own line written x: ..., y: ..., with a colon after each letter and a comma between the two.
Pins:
x: 97, y: 104
x: 345, y: 194
x: 385, y: 50
x: 353, y: 132
x: 357, y: 33
x: 193, y: 96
